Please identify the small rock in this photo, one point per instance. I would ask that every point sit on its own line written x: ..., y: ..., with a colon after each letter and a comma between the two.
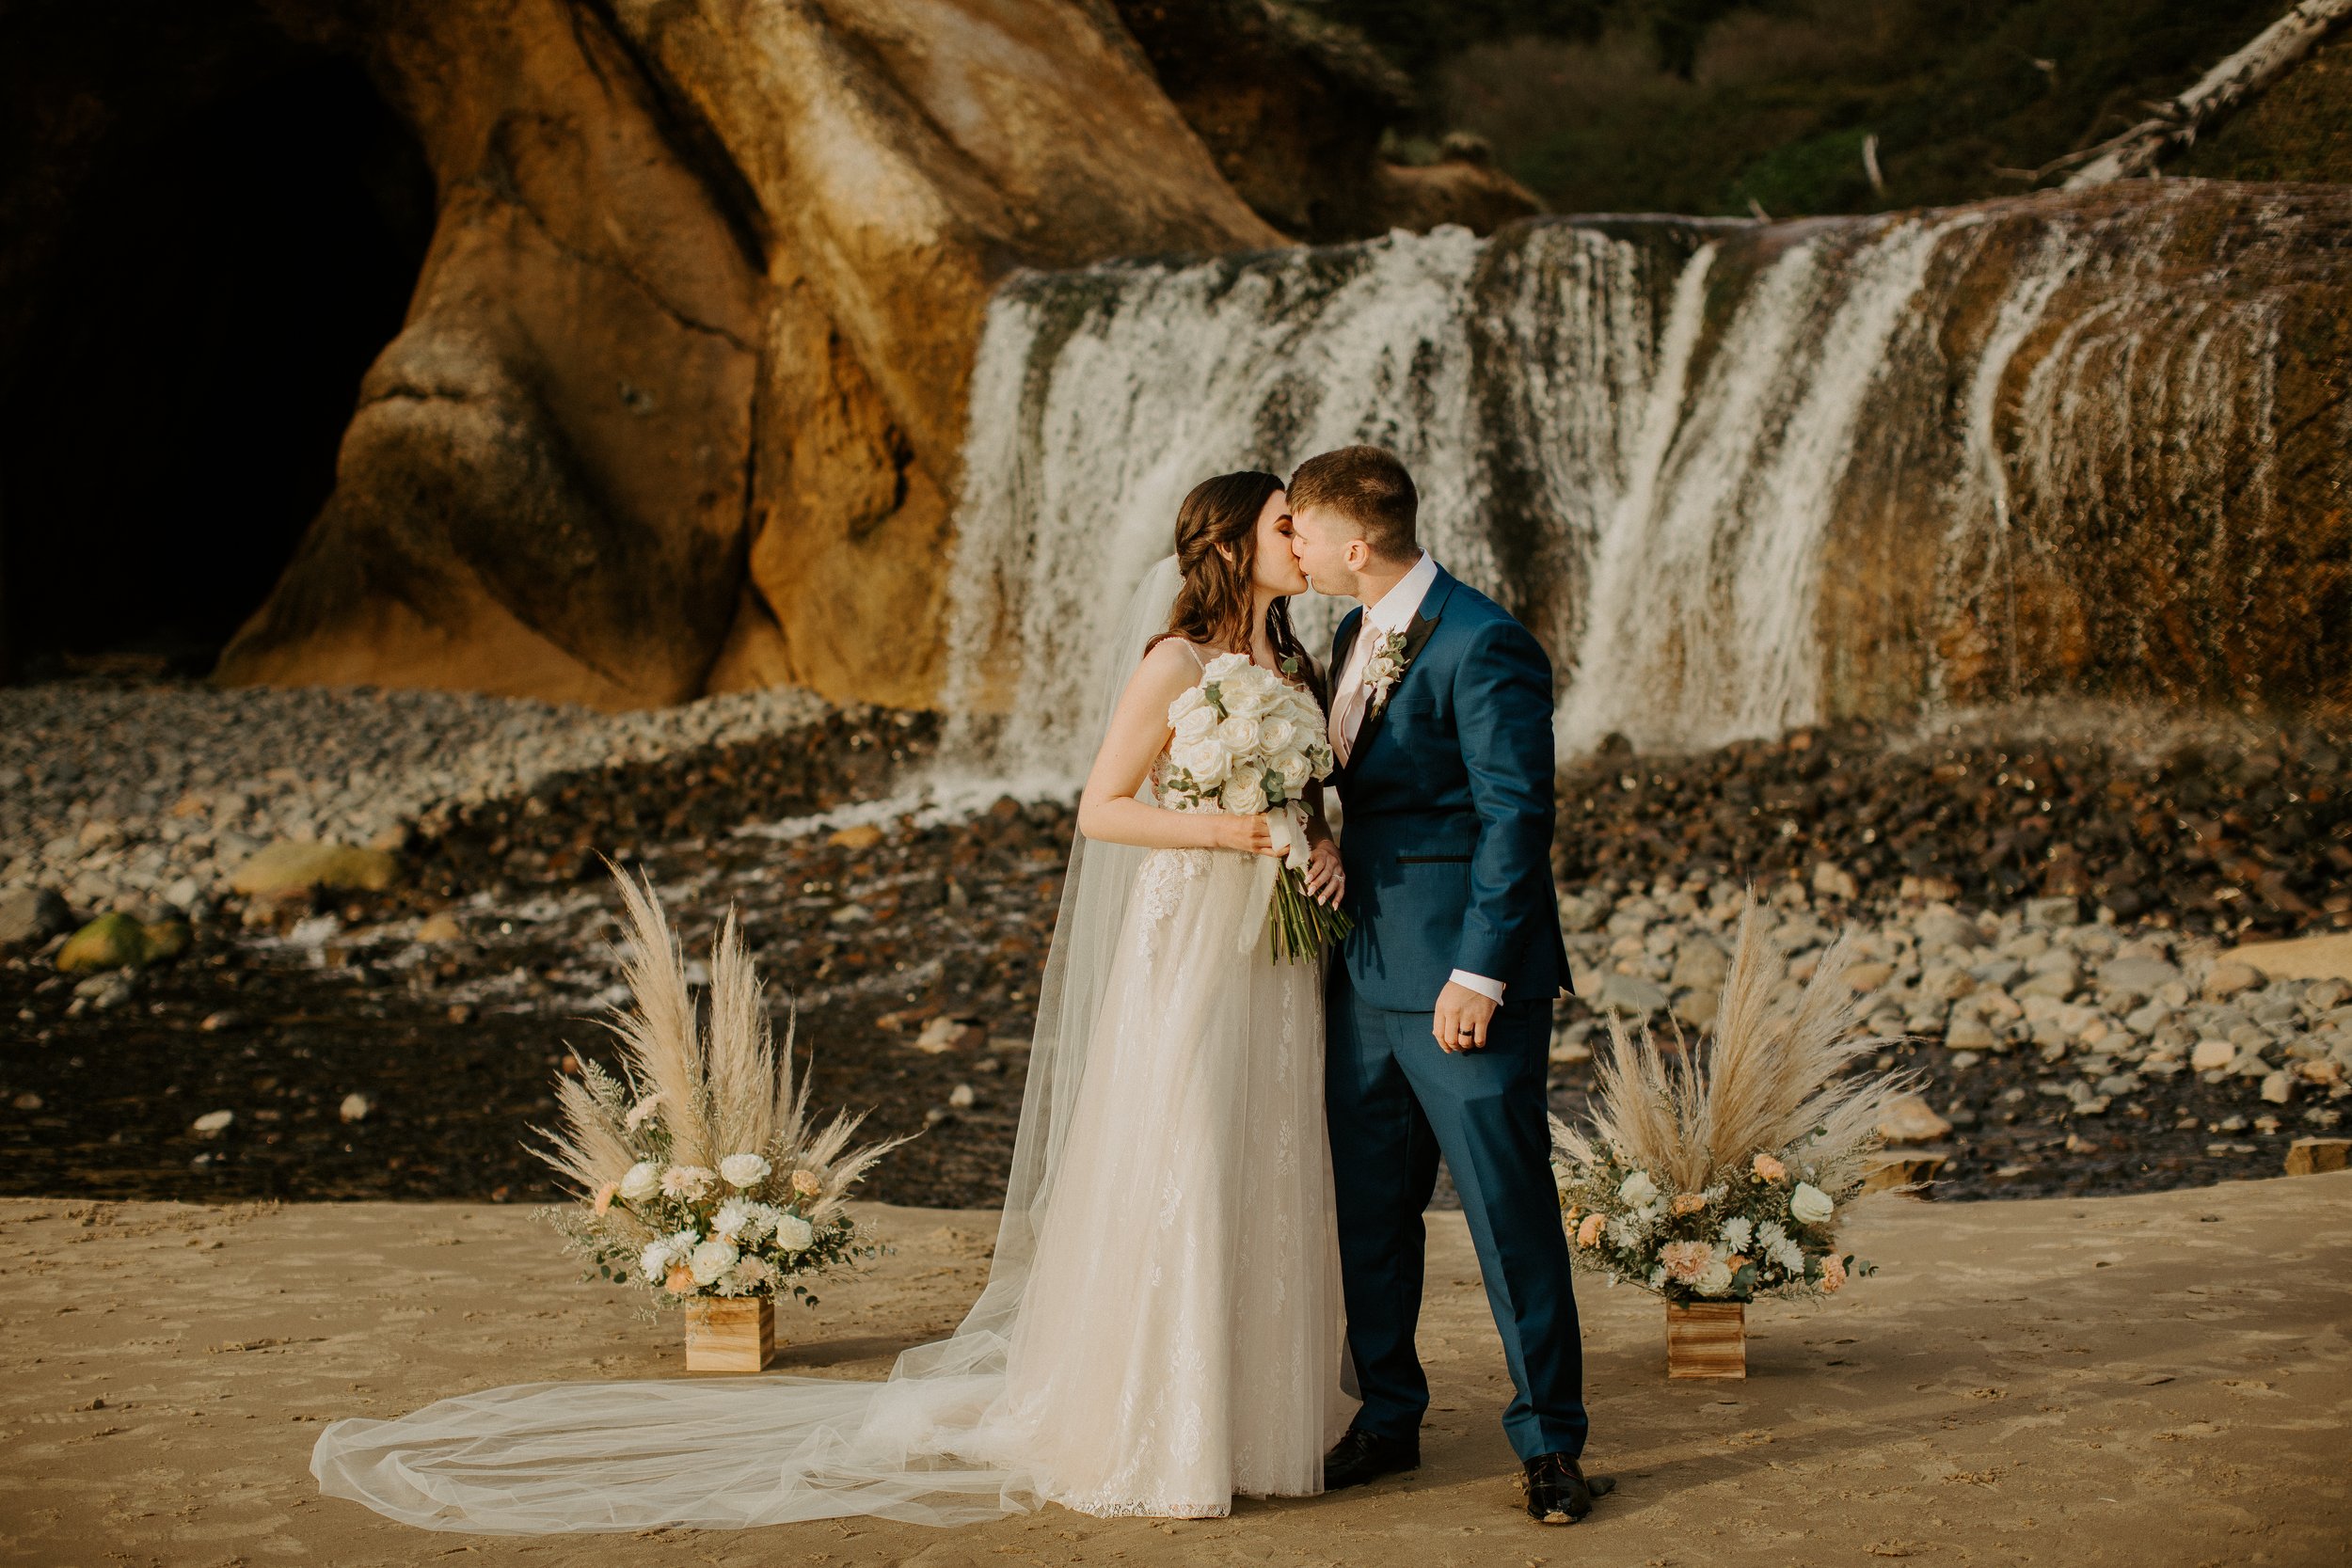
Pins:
x: 2056, y: 984
x: 1700, y: 964
x: 1912, y: 1120
x: 1630, y: 993
x: 215, y: 1022
x: 2059, y: 909
x: 1941, y: 928
x: 28, y: 1100
x: 296, y: 866
x: 2228, y: 977
x: 105, y: 992
x: 1835, y: 881
x: 963, y: 1097
x: 1968, y: 1033
x: 29, y: 915
x: 1698, y: 1009
x: 850, y: 915
x: 2212, y: 1056
x: 440, y: 926
x: 2139, y: 976
x: 355, y: 1108
x: 944, y: 1034
x: 166, y: 939
x: 1578, y: 913
x: 2278, y: 1087
x: 110, y: 941
x: 864, y: 835
x: 1997, y: 972
x: 212, y: 1123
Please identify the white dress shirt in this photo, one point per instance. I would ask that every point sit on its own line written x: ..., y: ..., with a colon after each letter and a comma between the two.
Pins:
x: 1391, y: 612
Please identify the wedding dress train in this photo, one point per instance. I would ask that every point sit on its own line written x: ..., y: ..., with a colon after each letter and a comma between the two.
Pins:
x: 1162, y: 1328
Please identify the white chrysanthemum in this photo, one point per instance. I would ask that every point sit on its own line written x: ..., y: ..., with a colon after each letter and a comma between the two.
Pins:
x: 737, y: 1219
x: 1201, y: 722
x: 751, y: 1274
x: 654, y: 1262
x: 1714, y: 1279
x: 1622, y: 1234
x: 1789, y: 1256
x: 687, y: 1181
x: 1243, y: 796
x: 1771, y: 1233
x: 1809, y: 1205
x: 744, y: 1170
x: 1637, y: 1189
x: 1738, y: 1233
x: 643, y: 1181
x: 793, y: 1234
x: 1657, y: 1276
x: 709, y: 1261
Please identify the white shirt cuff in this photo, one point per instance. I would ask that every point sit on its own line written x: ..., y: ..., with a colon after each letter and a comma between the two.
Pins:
x: 1491, y: 990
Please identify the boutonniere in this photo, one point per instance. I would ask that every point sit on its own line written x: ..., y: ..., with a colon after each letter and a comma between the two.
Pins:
x: 1385, y: 667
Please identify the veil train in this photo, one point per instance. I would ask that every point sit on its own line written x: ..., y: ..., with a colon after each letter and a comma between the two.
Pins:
x: 929, y: 1445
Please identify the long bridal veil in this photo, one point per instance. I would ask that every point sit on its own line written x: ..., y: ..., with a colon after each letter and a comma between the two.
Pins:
x: 929, y: 1445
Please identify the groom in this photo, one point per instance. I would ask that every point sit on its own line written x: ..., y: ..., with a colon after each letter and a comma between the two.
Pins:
x: 1440, y: 1002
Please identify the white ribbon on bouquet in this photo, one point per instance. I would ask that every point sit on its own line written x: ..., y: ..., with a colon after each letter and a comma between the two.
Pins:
x: 1287, y: 823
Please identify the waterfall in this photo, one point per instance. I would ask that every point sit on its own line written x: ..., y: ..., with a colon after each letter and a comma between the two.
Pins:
x: 1737, y: 477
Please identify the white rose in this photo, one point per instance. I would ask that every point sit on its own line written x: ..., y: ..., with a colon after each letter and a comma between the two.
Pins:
x: 1189, y: 701
x: 711, y: 1260
x: 793, y: 1234
x: 744, y: 1170
x: 1809, y: 1205
x: 1201, y: 722
x: 1205, y: 760
x: 1239, y: 733
x: 1714, y: 1279
x: 1243, y: 796
x: 643, y: 1181
x: 1247, y: 697
x: 1224, y: 665
x: 1278, y: 731
x: 1637, y: 1189
x: 1294, y: 771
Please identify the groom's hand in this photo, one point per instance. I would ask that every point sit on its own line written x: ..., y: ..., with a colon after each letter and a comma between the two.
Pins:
x: 1462, y: 1017
x: 1327, y: 881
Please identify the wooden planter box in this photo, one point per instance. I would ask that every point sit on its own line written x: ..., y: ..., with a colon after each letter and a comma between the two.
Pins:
x: 736, y: 1334
x: 1706, y: 1339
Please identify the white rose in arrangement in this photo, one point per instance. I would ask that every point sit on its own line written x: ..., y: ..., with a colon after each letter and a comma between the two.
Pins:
x: 1222, y: 666
x: 1809, y: 1205
x: 1191, y: 700
x: 794, y: 1234
x: 1637, y: 1189
x: 1294, y: 771
x: 744, y: 1170
x: 1714, y: 1279
x: 1247, y: 697
x: 643, y: 1181
x: 709, y: 1261
x: 1243, y: 796
x: 1205, y: 759
x: 1277, y: 732
x: 1239, y: 733
x: 1738, y: 1233
x: 1201, y: 722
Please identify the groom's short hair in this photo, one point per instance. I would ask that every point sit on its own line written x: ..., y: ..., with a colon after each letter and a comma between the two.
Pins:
x: 1368, y: 486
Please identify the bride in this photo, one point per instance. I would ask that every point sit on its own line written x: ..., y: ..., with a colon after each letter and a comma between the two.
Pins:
x: 1162, y: 1325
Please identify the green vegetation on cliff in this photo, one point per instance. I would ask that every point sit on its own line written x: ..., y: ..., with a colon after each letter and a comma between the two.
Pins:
x: 1705, y: 106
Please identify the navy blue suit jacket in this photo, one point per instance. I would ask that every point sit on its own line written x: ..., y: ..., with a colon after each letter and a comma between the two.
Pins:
x: 1447, y: 797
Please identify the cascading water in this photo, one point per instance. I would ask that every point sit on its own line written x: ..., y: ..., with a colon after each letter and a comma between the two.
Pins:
x: 1735, y: 476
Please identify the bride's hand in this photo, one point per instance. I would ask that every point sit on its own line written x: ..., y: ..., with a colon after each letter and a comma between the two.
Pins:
x: 1248, y: 834
x: 1326, y: 882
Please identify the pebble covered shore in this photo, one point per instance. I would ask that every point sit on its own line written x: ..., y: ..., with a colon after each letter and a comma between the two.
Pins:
x: 397, y: 1042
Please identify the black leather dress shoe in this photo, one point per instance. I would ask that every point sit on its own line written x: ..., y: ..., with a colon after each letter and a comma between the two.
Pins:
x: 1558, y: 1489
x: 1363, y: 1456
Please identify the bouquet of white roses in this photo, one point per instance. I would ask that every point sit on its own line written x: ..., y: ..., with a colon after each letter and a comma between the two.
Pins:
x: 1248, y: 742
x: 1726, y: 1181
x: 698, y: 1171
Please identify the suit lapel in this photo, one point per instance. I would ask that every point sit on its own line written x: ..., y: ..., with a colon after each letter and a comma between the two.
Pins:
x: 1417, y: 634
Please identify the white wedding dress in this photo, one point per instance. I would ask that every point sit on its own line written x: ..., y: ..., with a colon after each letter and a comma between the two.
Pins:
x: 1162, y: 1328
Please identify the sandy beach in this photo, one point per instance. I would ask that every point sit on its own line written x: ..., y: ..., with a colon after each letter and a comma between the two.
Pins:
x: 2149, y: 1380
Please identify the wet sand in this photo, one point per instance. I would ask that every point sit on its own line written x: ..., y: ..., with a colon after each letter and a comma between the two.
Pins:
x: 2155, y: 1379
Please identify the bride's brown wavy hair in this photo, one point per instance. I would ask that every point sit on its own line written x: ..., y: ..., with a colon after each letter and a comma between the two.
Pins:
x: 1213, y: 606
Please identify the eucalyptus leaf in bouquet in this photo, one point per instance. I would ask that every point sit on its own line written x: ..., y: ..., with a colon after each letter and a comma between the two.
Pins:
x: 698, y: 1170
x: 1724, y: 1178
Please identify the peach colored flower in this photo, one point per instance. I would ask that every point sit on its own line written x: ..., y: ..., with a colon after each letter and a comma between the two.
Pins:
x: 1686, y: 1260
x: 1690, y: 1203
x: 1588, y: 1233
x: 1833, y: 1273
x: 807, y: 1183
x: 681, y: 1280
x: 604, y: 1195
x: 1769, y: 1169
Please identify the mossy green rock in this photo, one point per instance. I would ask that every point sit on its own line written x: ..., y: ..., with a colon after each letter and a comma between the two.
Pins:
x: 110, y: 941
x: 291, y: 866
x: 166, y: 939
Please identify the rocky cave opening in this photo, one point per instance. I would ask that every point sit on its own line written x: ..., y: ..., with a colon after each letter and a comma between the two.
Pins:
x: 170, y: 427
